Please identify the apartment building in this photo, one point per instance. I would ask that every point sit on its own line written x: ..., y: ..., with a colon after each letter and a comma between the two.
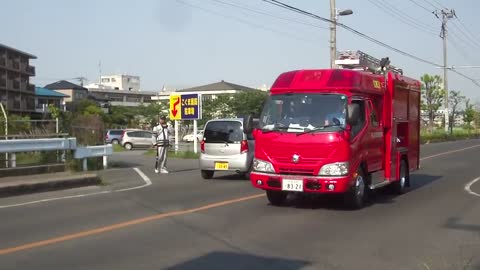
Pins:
x: 119, y: 82
x: 16, y: 92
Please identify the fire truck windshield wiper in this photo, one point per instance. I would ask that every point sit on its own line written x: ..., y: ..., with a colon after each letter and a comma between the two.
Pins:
x: 275, y: 129
x: 320, y: 128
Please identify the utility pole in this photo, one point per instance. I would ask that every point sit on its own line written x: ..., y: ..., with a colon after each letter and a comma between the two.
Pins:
x: 334, y: 13
x: 445, y: 15
x: 333, y: 33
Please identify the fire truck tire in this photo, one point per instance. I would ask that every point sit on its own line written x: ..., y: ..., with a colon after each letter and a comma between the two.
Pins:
x: 207, y: 174
x: 275, y: 197
x: 355, y: 197
x: 400, y: 186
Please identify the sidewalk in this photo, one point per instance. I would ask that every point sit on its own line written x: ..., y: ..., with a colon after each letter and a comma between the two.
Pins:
x: 17, y: 185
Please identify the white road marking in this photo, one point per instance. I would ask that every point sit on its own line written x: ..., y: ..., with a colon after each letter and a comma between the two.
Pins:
x: 145, y: 178
x: 468, y: 187
x: 449, y: 152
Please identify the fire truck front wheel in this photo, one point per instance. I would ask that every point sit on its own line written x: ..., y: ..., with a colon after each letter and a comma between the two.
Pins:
x: 276, y: 197
x: 355, y: 197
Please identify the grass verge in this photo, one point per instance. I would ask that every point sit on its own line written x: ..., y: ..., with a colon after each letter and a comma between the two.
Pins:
x: 118, y: 148
x: 442, y: 136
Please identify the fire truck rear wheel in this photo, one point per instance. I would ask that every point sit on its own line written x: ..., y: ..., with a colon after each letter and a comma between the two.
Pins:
x: 355, y: 197
x: 275, y: 197
x: 400, y: 186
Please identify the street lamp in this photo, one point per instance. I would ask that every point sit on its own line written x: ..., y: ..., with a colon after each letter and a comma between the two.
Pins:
x: 334, y: 14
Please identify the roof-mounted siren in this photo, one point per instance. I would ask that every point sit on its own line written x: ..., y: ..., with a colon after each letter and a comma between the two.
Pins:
x: 358, y: 60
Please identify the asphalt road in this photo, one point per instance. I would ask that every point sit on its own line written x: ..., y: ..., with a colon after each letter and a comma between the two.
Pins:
x: 183, y: 222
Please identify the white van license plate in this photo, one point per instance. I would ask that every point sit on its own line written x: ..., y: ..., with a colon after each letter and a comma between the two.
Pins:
x: 292, y: 185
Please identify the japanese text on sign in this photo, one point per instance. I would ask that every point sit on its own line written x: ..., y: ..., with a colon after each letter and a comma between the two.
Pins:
x: 185, y: 107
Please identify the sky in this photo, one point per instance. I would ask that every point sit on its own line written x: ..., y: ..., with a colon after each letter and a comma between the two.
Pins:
x: 186, y: 43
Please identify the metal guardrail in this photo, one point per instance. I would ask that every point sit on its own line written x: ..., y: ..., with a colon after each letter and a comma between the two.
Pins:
x: 93, y: 151
x: 54, y: 144
x: 33, y: 145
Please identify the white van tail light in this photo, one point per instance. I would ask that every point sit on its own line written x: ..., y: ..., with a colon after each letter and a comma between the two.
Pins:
x: 202, y: 146
x: 244, y: 146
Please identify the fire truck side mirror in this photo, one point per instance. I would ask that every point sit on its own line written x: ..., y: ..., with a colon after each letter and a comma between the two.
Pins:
x: 248, y: 124
x: 353, y: 114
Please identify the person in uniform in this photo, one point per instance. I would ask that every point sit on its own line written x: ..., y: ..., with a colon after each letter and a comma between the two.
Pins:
x: 161, y: 142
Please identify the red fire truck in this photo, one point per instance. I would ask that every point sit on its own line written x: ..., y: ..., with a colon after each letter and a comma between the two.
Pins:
x: 342, y: 131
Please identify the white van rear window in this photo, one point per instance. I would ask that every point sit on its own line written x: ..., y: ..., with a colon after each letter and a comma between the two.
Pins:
x: 223, y: 132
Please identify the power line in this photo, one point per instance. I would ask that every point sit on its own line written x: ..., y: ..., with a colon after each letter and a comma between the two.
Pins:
x: 459, y: 49
x: 466, y: 29
x: 406, y: 15
x: 406, y: 19
x: 430, y: 3
x: 423, y: 7
x: 306, y: 13
x: 246, y: 22
x: 470, y: 39
x: 466, y: 77
x: 461, y: 38
x: 438, y: 3
x: 268, y: 14
x: 348, y: 28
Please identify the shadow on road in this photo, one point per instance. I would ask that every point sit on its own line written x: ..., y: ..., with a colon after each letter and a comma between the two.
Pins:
x: 454, y: 223
x: 231, y: 261
x: 124, y: 164
x: 337, y: 202
x: 230, y: 177
x: 418, y: 181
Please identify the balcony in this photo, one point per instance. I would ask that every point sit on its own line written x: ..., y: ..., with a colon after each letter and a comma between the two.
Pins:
x: 30, y: 70
x: 16, y: 65
x: 31, y: 88
x: 3, y: 61
x: 3, y: 83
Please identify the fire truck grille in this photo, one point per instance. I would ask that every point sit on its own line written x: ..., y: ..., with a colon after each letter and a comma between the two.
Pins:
x: 296, y: 171
x: 303, y: 161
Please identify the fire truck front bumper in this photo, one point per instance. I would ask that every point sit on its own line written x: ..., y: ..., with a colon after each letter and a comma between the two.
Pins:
x: 301, y: 183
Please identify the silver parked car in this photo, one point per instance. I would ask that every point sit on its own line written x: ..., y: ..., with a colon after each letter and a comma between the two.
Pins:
x: 135, y: 138
x: 225, y: 147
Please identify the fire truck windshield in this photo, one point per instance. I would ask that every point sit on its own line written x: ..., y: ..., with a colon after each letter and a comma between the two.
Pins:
x: 303, y: 112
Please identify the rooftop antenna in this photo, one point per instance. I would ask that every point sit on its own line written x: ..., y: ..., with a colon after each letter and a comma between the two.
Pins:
x: 81, y: 79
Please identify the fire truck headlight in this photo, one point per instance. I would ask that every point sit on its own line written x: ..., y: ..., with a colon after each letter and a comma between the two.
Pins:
x: 262, y: 166
x: 334, y: 169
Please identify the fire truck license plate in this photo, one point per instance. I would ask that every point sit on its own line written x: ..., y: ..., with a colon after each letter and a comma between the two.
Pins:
x: 292, y: 185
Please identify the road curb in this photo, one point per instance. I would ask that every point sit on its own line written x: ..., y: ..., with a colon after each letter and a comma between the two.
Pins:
x: 72, y: 181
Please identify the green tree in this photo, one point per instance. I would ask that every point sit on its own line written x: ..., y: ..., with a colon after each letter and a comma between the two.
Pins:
x: 245, y: 103
x: 469, y: 113
x: 432, y: 96
x: 153, y: 111
x: 93, y: 110
x: 218, y: 107
x: 54, y: 111
x: 454, y: 101
x: 17, y: 125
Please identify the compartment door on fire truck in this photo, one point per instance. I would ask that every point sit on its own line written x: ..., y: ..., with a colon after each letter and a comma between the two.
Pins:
x: 375, y: 137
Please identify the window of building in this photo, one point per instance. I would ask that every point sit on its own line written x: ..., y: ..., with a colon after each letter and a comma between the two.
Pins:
x: 113, y: 80
x: 105, y: 80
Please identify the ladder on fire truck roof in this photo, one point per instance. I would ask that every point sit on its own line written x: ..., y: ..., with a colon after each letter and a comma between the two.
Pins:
x: 358, y: 60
